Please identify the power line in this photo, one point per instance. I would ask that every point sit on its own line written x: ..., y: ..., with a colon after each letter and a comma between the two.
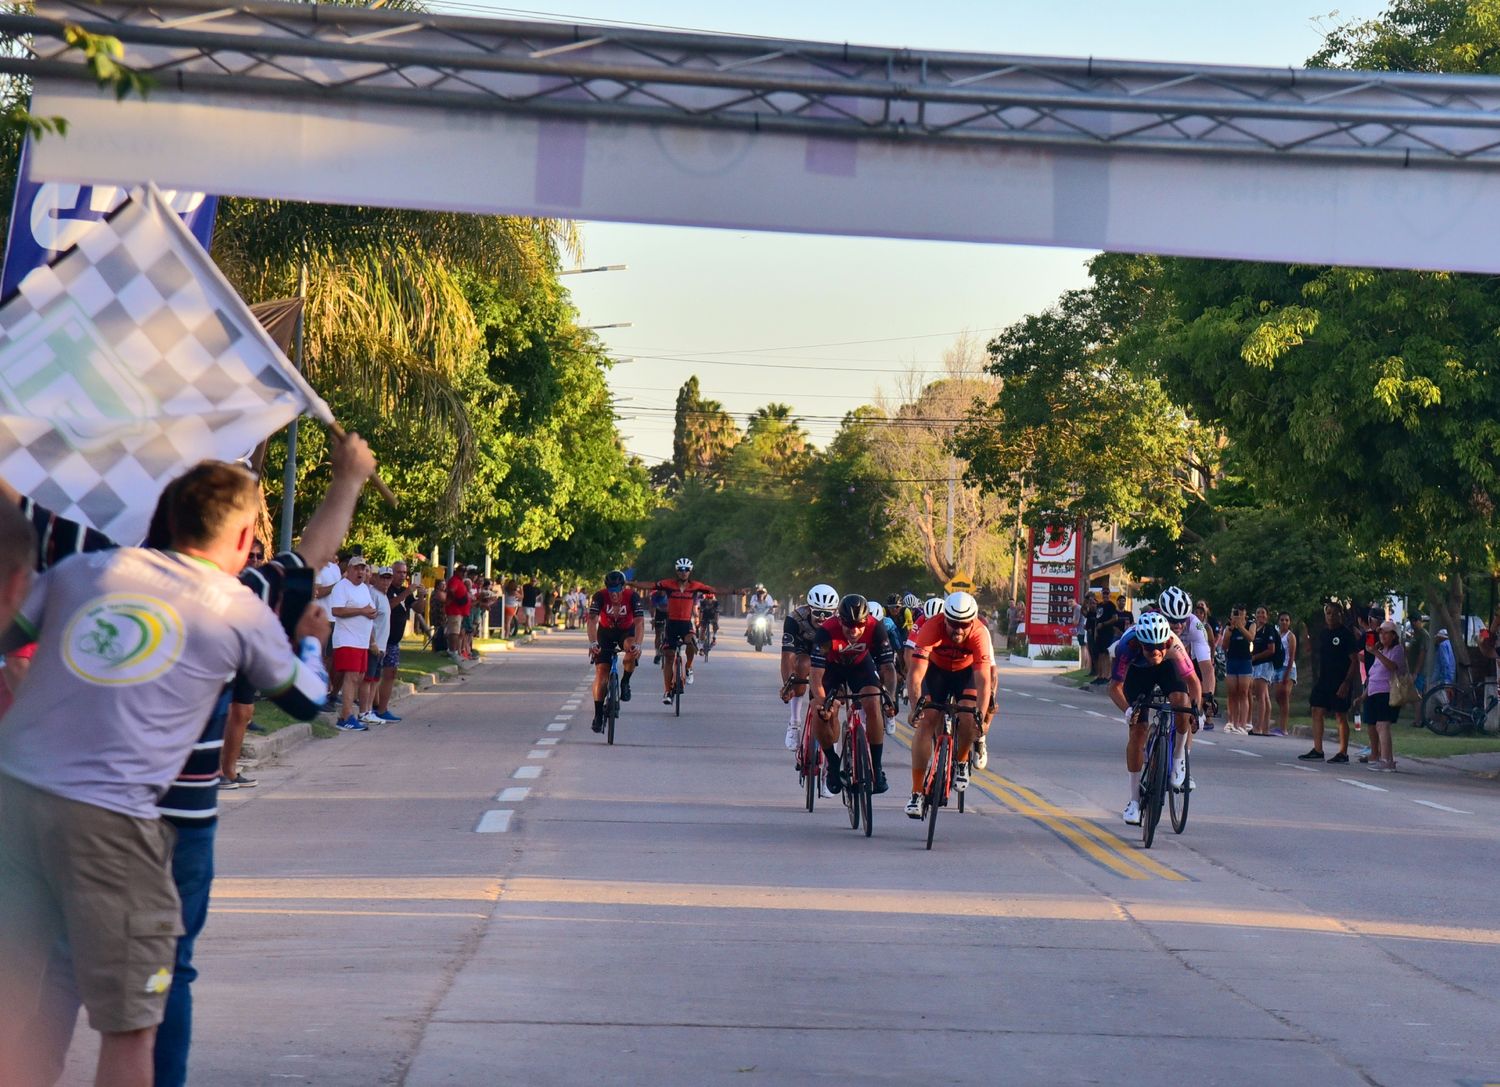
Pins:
x: 768, y: 477
x: 850, y: 343
x: 776, y: 365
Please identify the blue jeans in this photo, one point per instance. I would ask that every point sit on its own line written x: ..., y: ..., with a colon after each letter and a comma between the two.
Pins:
x: 193, y: 871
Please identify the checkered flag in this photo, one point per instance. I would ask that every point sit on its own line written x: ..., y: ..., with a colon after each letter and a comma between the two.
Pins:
x: 128, y: 361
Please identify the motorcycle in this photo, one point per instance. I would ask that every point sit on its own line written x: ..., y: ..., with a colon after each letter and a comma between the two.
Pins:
x: 759, y: 632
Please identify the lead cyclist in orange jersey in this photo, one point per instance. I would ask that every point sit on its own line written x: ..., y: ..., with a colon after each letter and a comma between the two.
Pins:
x: 950, y: 662
x: 681, y: 592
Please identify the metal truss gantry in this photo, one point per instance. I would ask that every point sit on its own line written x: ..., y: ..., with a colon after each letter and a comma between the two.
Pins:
x: 315, y: 53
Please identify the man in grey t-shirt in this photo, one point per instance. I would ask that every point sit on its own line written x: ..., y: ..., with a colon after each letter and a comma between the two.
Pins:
x: 133, y: 646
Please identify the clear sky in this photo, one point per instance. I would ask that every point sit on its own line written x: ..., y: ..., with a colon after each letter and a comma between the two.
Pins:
x: 751, y: 313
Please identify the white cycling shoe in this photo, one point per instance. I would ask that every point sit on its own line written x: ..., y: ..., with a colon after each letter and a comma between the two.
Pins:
x: 689, y: 677
x: 961, y: 777
x: 1179, y: 771
x: 914, y: 806
x: 1132, y: 814
x: 981, y: 754
x: 791, y: 737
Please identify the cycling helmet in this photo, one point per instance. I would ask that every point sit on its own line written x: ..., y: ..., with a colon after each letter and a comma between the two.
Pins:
x: 893, y: 601
x: 876, y: 612
x: 933, y: 605
x: 910, y: 600
x: 823, y: 599
x: 853, y: 610
x: 684, y: 566
x: 961, y: 608
x: 759, y: 587
x: 614, y: 581
x: 1175, y: 604
x: 1153, y: 629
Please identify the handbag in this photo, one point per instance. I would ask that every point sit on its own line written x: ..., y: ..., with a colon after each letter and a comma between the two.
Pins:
x: 1403, y: 689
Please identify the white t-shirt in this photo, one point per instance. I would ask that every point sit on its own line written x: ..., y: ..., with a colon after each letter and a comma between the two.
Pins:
x: 330, y: 575
x: 382, y: 618
x: 1195, y: 638
x: 351, y: 631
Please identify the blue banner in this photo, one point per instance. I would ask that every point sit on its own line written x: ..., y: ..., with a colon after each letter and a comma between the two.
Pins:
x: 49, y: 217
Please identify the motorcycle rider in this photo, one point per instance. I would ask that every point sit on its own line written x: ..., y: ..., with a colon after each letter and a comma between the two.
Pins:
x: 761, y: 605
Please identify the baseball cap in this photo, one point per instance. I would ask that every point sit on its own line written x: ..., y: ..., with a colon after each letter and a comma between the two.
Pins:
x: 1442, y: 633
x: 1388, y: 625
x: 357, y: 560
x: 384, y: 570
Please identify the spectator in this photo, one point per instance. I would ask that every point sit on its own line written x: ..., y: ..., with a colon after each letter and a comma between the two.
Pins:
x: 512, y: 608
x: 84, y: 763
x: 1419, y: 657
x: 379, y: 594
x: 1205, y: 616
x: 421, y: 598
x: 400, y: 596
x: 437, y: 609
x: 1265, y: 652
x: 1017, y: 620
x: 1107, y: 631
x: 530, y: 597
x: 1237, y: 642
x: 329, y: 575
x: 1286, y: 676
x: 241, y: 709
x: 1390, y: 661
x: 455, y: 610
x: 1445, y: 667
x: 1338, y: 674
x: 354, y: 614
x: 1085, y: 631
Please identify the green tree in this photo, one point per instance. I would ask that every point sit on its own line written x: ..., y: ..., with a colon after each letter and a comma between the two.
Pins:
x: 703, y: 433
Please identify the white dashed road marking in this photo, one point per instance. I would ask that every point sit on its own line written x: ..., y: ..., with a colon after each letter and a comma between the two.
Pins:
x: 1247, y: 754
x: 1441, y: 807
x: 1041, y: 698
x: 548, y: 742
x: 494, y: 822
x: 1096, y: 713
x: 528, y: 772
x: 540, y: 753
x: 1364, y: 785
x: 557, y: 726
x: 1299, y: 766
x: 1065, y: 706
x: 513, y: 794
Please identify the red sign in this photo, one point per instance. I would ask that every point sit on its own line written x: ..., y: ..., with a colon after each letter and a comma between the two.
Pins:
x: 1052, y: 588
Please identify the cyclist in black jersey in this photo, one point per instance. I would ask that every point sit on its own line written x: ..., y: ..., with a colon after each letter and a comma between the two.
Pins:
x: 798, y: 633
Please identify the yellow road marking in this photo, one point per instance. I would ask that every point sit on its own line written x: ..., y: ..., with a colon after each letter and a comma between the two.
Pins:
x: 1090, y: 839
x: 350, y: 913
x: 359, y: 888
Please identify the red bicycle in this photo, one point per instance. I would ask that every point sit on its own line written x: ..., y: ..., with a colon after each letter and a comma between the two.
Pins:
x: 937, y: 786
x: 811, y: 763
x: 858, y: 768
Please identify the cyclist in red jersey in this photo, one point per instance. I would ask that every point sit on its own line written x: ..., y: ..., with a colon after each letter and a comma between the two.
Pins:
x: 617, y: 620
x: 681, y: 599
x: 950, y: 662
x: 846, y: 651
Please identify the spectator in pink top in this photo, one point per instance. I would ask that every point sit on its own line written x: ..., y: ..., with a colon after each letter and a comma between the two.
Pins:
x: 1390, y: 661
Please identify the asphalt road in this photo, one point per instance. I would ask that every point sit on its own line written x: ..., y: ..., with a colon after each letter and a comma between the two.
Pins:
x: 488, y: 894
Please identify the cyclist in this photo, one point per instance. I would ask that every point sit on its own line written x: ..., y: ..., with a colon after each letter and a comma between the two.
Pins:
x: 708, y: 619
x: 1177, y: 606
x: 798, y: 632
x: 681, y: 591
x: 616, y: 624
x: 951, y: 658
x: 889, y: 672
x: 1148, y: 656
x: 847, y: 651
x: 898, y: 614
x: 658, y: 620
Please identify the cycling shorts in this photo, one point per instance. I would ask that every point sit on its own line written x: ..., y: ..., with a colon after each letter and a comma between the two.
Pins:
x: 1141, y: 681
x: 612, y: 640
x: 658, y: 618
x: 678, y: 632
x: 939, y: 685
x: 853, y: 677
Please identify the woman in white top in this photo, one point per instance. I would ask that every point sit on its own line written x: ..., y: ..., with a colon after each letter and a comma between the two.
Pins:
x: 1285, y: 677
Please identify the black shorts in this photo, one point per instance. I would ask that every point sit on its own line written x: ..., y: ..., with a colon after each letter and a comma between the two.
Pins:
x: 852, y: 677
x: 940, y: 685
x: 1378, y: 709
x: 678, y: 632
x: 612, y: 640
x: 658, y: 620
x: 1325, y: 696
x: 1140, y: 682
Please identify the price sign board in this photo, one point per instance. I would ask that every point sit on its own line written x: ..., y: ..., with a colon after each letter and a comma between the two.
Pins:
x: 1052, y: 585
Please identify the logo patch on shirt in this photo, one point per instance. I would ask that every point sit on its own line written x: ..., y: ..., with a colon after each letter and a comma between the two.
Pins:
x: 123, y: 639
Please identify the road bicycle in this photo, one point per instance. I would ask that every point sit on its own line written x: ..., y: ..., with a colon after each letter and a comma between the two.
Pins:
x: 857, y: 771
x: 1157, y: 790
x: 679, y: 670
x: 708, y: 637
x: 937, y: 785
x: 811, y: 762
x: 1453, y: 708
x: 612, y: 696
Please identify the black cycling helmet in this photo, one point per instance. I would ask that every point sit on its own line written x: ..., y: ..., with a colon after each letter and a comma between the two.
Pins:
x: 614, y: 581
x: 853, y: 610
x: 893, y: 601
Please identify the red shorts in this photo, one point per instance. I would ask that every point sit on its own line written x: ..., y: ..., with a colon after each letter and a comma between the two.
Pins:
x: 349, y: 659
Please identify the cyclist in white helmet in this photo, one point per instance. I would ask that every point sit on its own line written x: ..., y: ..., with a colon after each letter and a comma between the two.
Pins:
x: 797, y: 635
x: 682, y: 592
x: 1177, y: 606
x: 950, y: 662
x: 1149, y: 656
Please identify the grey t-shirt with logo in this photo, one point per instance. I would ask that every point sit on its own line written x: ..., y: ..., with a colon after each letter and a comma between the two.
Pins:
x: 133, y: 647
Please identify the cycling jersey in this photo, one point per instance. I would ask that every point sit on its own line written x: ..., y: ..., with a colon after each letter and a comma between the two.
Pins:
x: 935, y: 643
x: 1129, y: 654
x: 1195, y: 638
x: 798, y: 631
x: 616, y: 611
x: 918, y: 621
x: 892, y: 631
x: 658, y: 606
x: 832, y: 647
x: 680, y: 597
x: 709, y: 606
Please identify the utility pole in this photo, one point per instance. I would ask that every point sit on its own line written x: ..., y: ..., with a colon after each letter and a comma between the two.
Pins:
x: 289, y: 481
x: 952, y: 487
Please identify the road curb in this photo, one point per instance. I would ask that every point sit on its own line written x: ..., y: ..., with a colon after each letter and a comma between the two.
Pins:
x: 260, y: 751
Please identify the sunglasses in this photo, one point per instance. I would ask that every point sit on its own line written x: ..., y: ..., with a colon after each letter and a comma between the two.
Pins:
x: 258, y: 556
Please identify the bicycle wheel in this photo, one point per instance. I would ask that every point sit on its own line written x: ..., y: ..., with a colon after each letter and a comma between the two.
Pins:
x: 812, y: 760
x: 612, y: 707
x: 1178, y: 799
x: 1154, y: 792
x: 935, y: 787
x: 866, y: 785
x: 1449, y: 709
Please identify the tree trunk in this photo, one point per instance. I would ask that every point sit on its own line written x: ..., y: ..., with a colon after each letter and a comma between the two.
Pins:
x: 1446, y: 605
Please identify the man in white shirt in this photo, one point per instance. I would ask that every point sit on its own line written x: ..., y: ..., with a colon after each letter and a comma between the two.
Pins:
x: 329, y: 576
x: 378, y: 638
x: 354, y: 612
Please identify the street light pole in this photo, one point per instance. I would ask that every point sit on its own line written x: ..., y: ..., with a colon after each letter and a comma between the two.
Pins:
x: 585, y: 271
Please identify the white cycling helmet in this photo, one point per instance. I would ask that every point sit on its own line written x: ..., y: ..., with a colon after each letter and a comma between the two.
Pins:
x: 823, y: 598
x: 1153, y: 629
x: 685, y: 566
x: 961, y: 608
x: 1175, y: 604
x: 933, y: 605
x: 876, y: 611
x: 910, y: 600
